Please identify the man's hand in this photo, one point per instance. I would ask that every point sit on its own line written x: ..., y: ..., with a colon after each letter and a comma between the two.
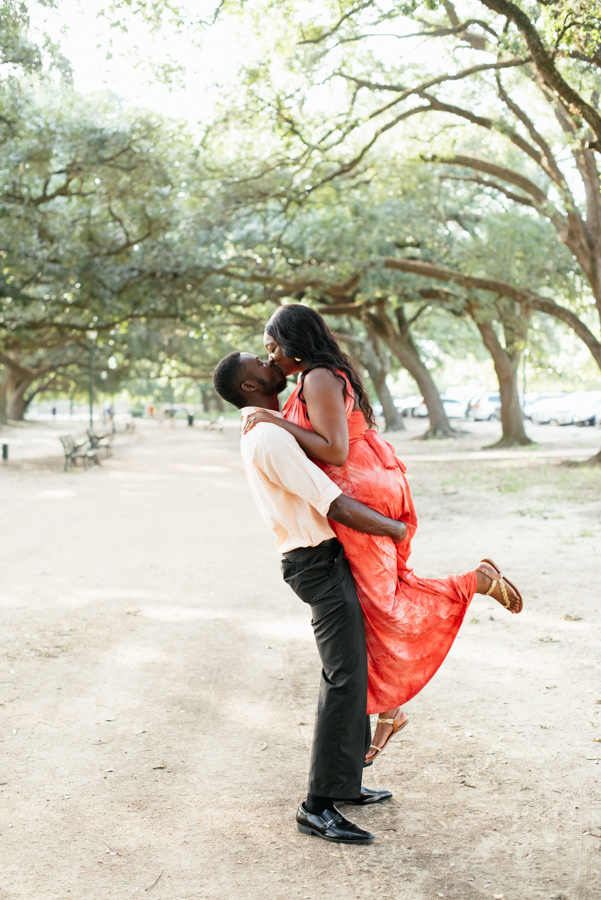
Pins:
x: 399, y: 531
x: 365, y: 519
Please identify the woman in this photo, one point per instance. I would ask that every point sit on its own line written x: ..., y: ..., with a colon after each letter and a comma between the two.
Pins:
x: 410, y: 622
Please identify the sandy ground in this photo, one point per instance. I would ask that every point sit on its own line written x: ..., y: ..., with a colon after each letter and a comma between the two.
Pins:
x: 158, y: 683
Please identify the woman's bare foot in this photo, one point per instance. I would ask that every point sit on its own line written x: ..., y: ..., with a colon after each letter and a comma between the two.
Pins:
x: 504, y: 592
x: 385, y: 730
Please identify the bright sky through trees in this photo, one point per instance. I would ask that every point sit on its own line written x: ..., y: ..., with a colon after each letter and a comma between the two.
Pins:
x: 105, y: 58
x: 178, y: 73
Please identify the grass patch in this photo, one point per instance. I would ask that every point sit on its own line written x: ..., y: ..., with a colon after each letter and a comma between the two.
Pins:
x: 551, y: 482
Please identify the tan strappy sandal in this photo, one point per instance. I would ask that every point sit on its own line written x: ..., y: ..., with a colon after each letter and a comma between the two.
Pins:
x: 399, y: 722
x: 500, y: 579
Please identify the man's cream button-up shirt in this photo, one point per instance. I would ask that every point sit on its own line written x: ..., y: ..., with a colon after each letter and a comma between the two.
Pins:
x: 292, y: 493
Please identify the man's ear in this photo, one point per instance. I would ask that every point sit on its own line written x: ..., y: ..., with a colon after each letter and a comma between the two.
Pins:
x: 249, y: 387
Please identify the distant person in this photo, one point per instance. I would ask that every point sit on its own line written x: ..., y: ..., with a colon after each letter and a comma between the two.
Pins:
x: 172, y: 416
x: 161, y: 416
x: 410, y: 622
x: 294, y: 497
x: 151, y: 411
x: 54, y: 410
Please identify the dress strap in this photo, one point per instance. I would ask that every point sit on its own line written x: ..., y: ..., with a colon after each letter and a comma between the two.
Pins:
x: 349, y: 394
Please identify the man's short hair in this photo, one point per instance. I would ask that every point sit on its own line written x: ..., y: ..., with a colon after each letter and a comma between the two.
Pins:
x: 227, y: 379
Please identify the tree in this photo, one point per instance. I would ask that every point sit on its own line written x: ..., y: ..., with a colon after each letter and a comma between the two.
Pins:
x: 325, y: 252
x: 371, y: 354
x: 104, y: 216
x: 335, y: 250
x: 22, y: 52
x: 526, y: 81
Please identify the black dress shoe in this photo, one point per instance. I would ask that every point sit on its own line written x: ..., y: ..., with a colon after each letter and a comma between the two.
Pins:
x: 331, y: 825
x: 366, y: 797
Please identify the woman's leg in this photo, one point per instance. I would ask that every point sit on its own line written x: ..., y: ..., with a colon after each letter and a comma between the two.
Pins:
x: 395, y: 720
x: 485, y: 575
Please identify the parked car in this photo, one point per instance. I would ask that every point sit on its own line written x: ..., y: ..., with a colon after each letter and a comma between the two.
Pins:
x: 588, y: 415
x: 532, y: 401
x: 577, y: 408
x: 542, y: 411
x: 485, y: 407
x: 407, y: 405
x: 453, y: 408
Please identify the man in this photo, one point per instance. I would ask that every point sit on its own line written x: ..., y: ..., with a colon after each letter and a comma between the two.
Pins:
x: 296, y: 498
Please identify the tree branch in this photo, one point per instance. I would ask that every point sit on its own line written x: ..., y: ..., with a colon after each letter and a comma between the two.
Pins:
x: 548, y: 160
x: 497, y: 171
x: 545, y: 62
x: 517, y: 198
x: 433, y: 82
x: 504, y: 289
x: 326, y: 34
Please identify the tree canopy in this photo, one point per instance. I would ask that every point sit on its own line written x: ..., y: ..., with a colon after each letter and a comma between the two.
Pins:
x: 396, y: 165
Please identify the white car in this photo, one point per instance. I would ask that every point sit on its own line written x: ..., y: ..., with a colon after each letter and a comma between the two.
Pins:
x: 542, y: 412
x: 532, y: 402
x: 589, y: 416
x: 588, y: 412
x: 408, y: 405
x: 577, y: 407
x: 453, y: 408
x: 486, y: 407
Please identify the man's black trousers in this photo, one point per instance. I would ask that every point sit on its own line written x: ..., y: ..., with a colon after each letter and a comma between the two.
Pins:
x: 321, y: 576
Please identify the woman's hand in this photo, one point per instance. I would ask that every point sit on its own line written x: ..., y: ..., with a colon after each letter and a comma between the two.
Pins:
x: 261, y: 415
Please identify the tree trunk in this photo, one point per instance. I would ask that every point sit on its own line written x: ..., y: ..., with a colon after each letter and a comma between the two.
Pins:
x: 374, y: 359
x: 506, y: 367
x: 392, y: 417
x: 205, y: 399
x: 3, y: 387
x: 218, y: 402
x: 18, y: 383
x: 401, y: 344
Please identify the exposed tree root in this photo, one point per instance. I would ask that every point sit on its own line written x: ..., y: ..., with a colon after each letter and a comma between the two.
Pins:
x: 507, y: 442
x: 438, y: 434
x: 578, y: 464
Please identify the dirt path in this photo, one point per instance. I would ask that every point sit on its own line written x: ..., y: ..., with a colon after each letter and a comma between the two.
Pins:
x: 158, y: 683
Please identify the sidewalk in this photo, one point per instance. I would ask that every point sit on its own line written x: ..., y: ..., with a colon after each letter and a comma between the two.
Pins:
x: 158, y: 683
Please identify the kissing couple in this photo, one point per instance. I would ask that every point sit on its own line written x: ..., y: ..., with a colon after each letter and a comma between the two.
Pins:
x: 337, y: 498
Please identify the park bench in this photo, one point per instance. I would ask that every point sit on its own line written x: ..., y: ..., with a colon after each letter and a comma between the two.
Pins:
x: 74, y: 451
x: 100, y: 441
x: 214, y: 424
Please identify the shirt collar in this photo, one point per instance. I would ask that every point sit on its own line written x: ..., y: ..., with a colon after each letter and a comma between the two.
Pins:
x: 247, y: 410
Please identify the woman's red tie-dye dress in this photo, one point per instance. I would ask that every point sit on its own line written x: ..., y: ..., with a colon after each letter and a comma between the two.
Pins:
x: 410, y: 622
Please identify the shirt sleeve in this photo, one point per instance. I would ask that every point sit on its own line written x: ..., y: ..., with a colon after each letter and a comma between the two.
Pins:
x: 279, y: 456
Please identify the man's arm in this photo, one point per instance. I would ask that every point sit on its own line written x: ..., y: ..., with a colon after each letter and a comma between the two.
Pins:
x: 363, y: 518
x: 279, y: 456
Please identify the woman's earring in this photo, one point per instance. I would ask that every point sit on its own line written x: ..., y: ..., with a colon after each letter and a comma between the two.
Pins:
x: 296, y: 359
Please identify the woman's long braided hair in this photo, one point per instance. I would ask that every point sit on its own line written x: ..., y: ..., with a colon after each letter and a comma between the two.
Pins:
x: 302, y: 333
